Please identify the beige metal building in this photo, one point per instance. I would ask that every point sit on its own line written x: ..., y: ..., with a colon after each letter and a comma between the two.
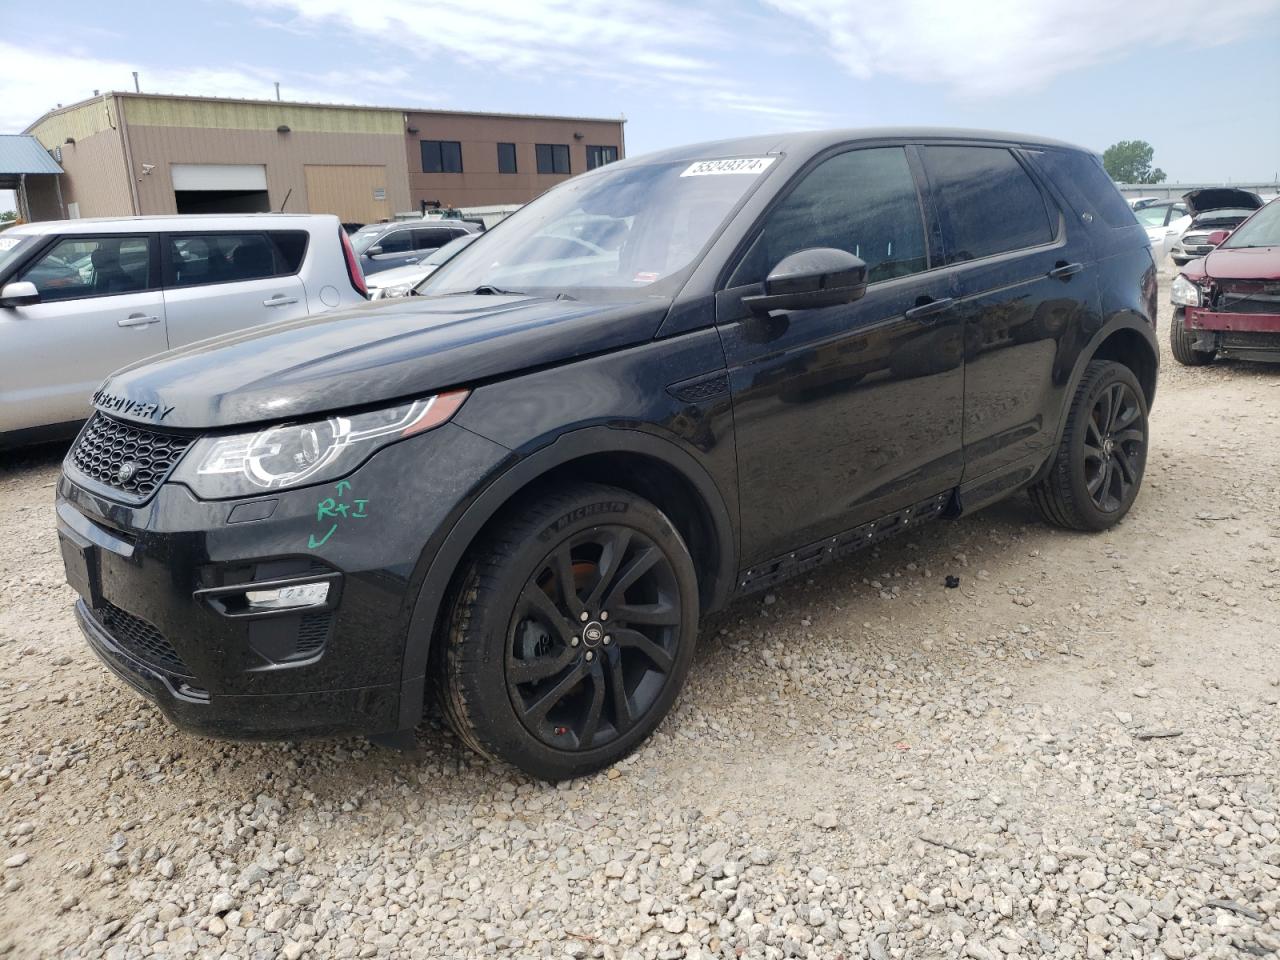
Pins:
x: 134, y: 153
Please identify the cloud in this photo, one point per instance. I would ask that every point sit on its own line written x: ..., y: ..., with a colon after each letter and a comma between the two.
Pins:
x: 1012, y: 46
x: 666, y: 49
x: 33, y: 81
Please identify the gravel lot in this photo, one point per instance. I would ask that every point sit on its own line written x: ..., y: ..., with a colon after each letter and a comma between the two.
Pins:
x: 1073, y: 754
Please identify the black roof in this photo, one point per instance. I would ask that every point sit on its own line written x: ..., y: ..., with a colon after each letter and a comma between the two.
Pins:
x: 814, y: 141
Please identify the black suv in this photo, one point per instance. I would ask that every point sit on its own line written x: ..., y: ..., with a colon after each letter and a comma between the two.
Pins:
x: 662, y: 385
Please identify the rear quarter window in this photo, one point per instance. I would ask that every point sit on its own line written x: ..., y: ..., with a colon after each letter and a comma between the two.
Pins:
x: 1086, y: 185
x: 291, y: 245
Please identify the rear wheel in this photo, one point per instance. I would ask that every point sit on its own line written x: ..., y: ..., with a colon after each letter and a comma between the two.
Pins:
x: 570, y: 633
x: 1098, y: 469
x: 1182, y: 343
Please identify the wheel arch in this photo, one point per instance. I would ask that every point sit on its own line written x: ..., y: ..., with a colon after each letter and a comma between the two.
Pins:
x: 1129, y: 340
x: 647, y: 465
x: 1134, y: 348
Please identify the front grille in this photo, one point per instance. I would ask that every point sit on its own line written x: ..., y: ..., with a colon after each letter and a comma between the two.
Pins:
x: 143, y: 640
x: 127, y: 458
x: 1247, y: 296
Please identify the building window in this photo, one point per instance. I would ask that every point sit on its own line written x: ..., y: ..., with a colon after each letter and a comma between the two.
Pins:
x: 599, y: 156
x: 506, y: 158
x: 441, y: 156
x: 552, y: 157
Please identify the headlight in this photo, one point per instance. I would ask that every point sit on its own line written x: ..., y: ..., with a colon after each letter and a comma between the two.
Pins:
x: 297, y: 454
x: 1184, y: 293
x: 394, y: 290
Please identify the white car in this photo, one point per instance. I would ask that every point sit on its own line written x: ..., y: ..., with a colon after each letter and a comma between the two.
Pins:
x: 1164, y: 221
x: 80, y: 299
x: 400, y: 281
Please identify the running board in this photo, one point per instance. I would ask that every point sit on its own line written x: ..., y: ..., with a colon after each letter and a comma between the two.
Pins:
x: 843, y: 544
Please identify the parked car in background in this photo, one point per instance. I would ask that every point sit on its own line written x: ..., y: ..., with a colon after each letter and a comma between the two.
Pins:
x: 1227, y: 304
x: 1164, y: 222
x: 400, y: 281
x: 81, y: 298
x: 664, y: 384
x: 382, y: 246
x: 1213, y: 210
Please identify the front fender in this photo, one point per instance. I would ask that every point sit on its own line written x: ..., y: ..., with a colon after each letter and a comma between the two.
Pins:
x: 508, y: 480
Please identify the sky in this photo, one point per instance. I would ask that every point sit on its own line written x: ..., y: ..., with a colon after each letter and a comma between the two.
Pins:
x: 1087, y: 71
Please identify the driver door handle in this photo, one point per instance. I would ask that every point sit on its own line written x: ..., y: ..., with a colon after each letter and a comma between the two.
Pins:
x: 1065, y: 271
x: 279, y: 300
x: 928, y: 312
x: 137, y: 320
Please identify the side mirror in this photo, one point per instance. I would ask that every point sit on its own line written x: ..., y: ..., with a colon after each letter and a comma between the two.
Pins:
x: 818, y: 277
x: 19, y: 294
x: 1216, y: 238
x: 373, y: 251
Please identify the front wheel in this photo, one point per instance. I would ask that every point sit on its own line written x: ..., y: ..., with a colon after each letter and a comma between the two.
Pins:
x: 1098, y: 468
x: 570, y: 632
x: 1183, y: 344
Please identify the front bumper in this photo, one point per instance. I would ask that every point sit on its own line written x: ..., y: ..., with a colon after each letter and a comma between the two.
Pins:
x: 162, y: 591
x: 1250, y: 336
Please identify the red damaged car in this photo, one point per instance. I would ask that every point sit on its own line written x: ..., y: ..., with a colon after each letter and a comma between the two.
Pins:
x: 1227, y: 304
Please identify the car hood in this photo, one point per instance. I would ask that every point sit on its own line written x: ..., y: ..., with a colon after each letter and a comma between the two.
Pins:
x: 1242, y: 263
x: 379, y: 352
x: 1220, y: 198
x: 406, y: 274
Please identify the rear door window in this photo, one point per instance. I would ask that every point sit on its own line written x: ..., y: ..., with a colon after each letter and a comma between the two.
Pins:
x: 864, y: 202
x: 397, y: 241
x: 987, y: 202
x: 78, y: 267
x: 206, y: 258
x: 432, y: 239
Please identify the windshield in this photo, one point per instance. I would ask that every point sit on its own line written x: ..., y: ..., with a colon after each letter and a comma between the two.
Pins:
x: 1151, y: 216
x: 448, y: 251
x: 13, y: 246
x: 619, y: 231
x: 363, y: 238
x: 1261, y: 230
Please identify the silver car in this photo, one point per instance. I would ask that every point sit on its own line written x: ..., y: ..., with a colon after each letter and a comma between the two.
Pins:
x: 82, y: 298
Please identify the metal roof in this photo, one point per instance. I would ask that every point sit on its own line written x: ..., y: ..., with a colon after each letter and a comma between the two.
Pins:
x: 21, y: 154
x: 196, y: 98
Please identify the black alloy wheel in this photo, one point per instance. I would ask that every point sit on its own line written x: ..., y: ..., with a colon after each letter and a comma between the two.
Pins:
x: 571, y: 629
x: 593, y: 638
x: 1096, y: 471
x: 1114, y: 447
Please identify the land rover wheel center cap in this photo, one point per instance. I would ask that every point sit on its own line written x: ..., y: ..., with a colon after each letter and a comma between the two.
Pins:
x: 593, y: 633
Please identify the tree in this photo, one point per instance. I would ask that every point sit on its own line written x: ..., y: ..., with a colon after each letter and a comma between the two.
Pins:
x: 7, y: 215
x: 1129, y: 161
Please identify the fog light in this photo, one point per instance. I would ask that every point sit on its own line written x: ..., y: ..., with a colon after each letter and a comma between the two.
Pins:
x: 284, y: 598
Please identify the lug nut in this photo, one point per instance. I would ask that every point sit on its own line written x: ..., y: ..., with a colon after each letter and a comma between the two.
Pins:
x: 607, y: 639
x: 604, y: 614
x: 573, y: 642
x: 590, y: 655
x: 584, y: 616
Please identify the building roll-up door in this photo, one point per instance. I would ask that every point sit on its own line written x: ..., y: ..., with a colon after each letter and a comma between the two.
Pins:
x: 220, y: 187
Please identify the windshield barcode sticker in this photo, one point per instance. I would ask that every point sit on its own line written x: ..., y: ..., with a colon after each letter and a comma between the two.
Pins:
x: 711, y: 168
